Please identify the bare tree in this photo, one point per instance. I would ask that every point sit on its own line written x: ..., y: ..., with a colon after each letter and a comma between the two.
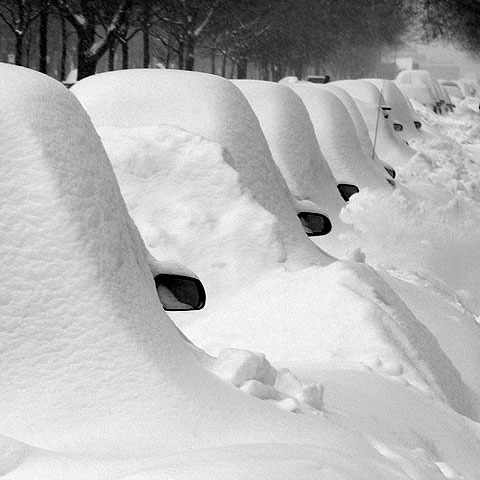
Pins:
x: 19, y: 15
x: 86, y: 16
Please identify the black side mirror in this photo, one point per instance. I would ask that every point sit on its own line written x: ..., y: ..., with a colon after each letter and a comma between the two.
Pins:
x: 391, y: 171
x: 346, y: 190
x: 315, y: 224
x: 179, y: 292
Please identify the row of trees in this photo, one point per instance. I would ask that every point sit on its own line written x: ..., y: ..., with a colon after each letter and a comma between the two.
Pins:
x: 457, y: 21
x: 279, y: 35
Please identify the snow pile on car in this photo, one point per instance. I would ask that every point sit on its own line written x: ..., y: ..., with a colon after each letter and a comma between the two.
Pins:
x: 209, y: 106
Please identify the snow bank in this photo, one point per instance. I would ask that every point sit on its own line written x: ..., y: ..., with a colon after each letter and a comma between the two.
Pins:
x: 340, y: 316
x: 435, y: 222
x: 291, y: 137
x: 209, y: 106
x: 338, y: 140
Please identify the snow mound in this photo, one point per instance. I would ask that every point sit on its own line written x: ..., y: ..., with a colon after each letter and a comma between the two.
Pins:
x: 341, y: 316
x: 209, y: 106
x: 338, y: 140
x: 181, y: 190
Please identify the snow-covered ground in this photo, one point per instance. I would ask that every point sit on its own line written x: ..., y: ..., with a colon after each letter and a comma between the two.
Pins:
x: 99, y: 384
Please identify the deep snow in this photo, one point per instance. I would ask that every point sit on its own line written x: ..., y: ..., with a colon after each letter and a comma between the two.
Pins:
x: 381, y: 394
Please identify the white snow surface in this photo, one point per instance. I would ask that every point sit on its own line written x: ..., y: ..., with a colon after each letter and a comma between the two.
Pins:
x: 207, y: 105
x: 96, y: 381
x: 338, y: 140
x: 80, y: 313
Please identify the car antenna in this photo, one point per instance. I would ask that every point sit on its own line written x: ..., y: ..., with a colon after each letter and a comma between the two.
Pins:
x: 378, y: 119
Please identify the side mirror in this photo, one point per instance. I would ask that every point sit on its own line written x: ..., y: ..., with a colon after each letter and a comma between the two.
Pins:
x: 179, y: 292
x: 391, y: 171
x: 315, y: 224
x: 346, y: 190
x: 418, y: 125
x: 398, y: 127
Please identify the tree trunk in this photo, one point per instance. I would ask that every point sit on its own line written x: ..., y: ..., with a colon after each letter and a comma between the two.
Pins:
x: 125, y: 55
x: 43, y: 47
x: 181, y: 55
x: 242, y: 67
x: 298, y: 69
x: 146, y: 46
x: 18, y: 48
x: 190, y: 53
x: 63, y: 57
x: 224, y: 66
x: 87, y: 63
x: 213, y: 68
x: 111, y: 58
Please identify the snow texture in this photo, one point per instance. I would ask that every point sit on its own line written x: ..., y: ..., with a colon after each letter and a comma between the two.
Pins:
x: 91, y: 365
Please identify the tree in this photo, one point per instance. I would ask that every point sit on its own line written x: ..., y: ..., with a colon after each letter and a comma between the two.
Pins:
x: 85, y: 16
x: 186, y: 22
x: 453, y: 20
x: 19, y: 15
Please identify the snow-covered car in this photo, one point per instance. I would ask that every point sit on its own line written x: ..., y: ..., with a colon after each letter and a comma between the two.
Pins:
x: 214, y: 191
x: 453, y: 90
x: 215, y: 120
x: 360, y: 127
x: 406, y: 123
x: 97, y: 380
x: 339, y: 143
x: 235, y: 228
x: 377, y: 116
x: 98, y: 383
x: 291, y: 137
x: 422, y: 87
x: 462, y: 93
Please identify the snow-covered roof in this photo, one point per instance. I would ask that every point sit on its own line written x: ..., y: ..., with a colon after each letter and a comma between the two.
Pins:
x: 207, y: 105
x: 419, y: 77
x: 337, y: 138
